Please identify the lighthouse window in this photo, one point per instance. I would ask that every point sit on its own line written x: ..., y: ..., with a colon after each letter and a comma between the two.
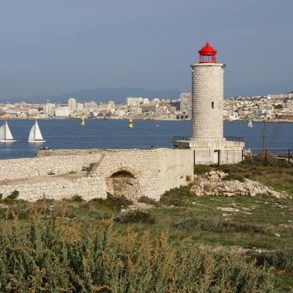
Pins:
x: 213, y: 105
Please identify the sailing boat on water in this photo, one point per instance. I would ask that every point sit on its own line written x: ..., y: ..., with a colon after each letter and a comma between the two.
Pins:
x: 5, y: 133
x: 35, y: 134
x: 250, y: 123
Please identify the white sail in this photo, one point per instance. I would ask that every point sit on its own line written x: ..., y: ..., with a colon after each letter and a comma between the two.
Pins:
x: 8, y: 135
x: 250, y: 123
x: 35, y: 134
x: 2, y: 132
x: 5, y: 133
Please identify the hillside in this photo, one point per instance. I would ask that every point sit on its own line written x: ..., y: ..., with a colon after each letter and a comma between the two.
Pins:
x: 218, y: 243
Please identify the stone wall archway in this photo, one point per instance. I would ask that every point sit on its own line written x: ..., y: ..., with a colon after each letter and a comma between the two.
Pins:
x: 123, y: 183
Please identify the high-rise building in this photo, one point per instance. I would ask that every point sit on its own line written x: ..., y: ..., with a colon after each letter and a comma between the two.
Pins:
x: 72, y: 103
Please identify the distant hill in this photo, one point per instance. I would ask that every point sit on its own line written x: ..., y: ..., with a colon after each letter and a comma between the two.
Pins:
x: 101, y: 95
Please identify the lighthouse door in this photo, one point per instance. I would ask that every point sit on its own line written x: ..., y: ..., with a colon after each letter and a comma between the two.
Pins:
x: 216, y: 157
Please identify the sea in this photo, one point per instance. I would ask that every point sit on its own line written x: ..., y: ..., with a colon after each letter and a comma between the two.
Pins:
x: 115, y: 134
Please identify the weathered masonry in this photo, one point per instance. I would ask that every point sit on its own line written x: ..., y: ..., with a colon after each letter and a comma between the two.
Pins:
x: 208, y: 141
x: 93, y: 173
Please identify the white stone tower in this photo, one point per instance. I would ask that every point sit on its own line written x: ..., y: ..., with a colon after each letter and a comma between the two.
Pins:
x: 207, y: 141
x: 207, y: 96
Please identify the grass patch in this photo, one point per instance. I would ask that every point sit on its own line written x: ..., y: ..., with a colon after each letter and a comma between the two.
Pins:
x: 218, y: 226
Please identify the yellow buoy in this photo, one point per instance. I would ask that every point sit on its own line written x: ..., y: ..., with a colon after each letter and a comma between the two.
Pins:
x: 82, y: 120
x: 130, y: 122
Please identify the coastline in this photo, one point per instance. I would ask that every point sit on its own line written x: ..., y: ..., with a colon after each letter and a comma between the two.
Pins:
x: 139, y: 118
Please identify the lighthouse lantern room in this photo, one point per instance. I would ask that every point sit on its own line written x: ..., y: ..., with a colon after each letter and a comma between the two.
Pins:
x: 207, y: 54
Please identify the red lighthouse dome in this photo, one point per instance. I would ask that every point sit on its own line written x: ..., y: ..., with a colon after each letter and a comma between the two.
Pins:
x: 207, y: 54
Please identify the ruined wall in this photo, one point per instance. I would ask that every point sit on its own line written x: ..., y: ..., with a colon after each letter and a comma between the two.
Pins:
x: 93, y: 173
x: 43, y: 166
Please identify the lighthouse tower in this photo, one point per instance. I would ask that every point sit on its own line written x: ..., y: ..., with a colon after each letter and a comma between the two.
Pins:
x: 207, y: 96
x: 207, y: 140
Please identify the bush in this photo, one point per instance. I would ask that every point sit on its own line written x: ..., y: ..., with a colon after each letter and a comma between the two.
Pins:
x: 77, y: 198
x: 147, y: 200
x: 135, y: 216
x: 13, y: 195
x: 201, y: 169
x: 53, y: 256
x: 281, y: 259
x: 111, y: 203
x: 266, y: 158
x: 176, y: 196
x: 233, y: 177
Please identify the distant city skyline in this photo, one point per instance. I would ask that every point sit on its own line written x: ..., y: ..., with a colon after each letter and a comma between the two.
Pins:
x: 53, y: 47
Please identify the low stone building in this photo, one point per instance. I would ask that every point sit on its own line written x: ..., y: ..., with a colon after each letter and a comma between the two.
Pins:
x: 94, y: 173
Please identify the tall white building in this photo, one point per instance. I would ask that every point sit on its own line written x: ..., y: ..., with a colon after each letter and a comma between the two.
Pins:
x: 72, y: 103
x: 49, y: 109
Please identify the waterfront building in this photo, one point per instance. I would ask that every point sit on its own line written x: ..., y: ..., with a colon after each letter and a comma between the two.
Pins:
x: 79, y: 107
x: 49, y: 109
x: 63, y: 112
x: 134, y: 101
x: 185, y: 102
x: 72, y: 104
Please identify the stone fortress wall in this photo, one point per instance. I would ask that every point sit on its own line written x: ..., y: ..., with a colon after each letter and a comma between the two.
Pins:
x: 92, y: 173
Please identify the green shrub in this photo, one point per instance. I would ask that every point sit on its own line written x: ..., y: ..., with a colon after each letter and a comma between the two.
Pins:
x: 201, y: 169
x: 176, y: 196
x: 135, y: 216
x: 77, y: 198
x: 111, y: 203
x: 280, y: 259
x: 147, y: 200
x: 1, y: 196
x: 233, y: 177
x: 266, y: 158
x: 53, y: 256
x: 13, y: 195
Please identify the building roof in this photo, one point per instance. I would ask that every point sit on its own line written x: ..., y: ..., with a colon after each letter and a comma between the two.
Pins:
x: 207, y: 50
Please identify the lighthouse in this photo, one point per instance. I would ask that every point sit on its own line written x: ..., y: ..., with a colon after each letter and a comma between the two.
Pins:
x: 207, y: 96
x: 207, y: 139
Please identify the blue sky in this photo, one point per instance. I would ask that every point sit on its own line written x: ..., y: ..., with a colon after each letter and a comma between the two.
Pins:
x: 55, y: 46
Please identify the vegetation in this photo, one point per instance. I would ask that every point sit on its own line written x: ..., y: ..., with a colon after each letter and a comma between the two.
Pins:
x: 55, y: 256
x: 183, y: 243
x: 13, y: 195
x: 135, y: 216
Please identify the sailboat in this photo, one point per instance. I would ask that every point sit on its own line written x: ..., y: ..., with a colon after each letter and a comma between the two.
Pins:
x: 250, y: 123
x: 5, y: 133
x: 35, y: 134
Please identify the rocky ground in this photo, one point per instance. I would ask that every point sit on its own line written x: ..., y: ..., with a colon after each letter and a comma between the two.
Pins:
x: 217, y: 182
